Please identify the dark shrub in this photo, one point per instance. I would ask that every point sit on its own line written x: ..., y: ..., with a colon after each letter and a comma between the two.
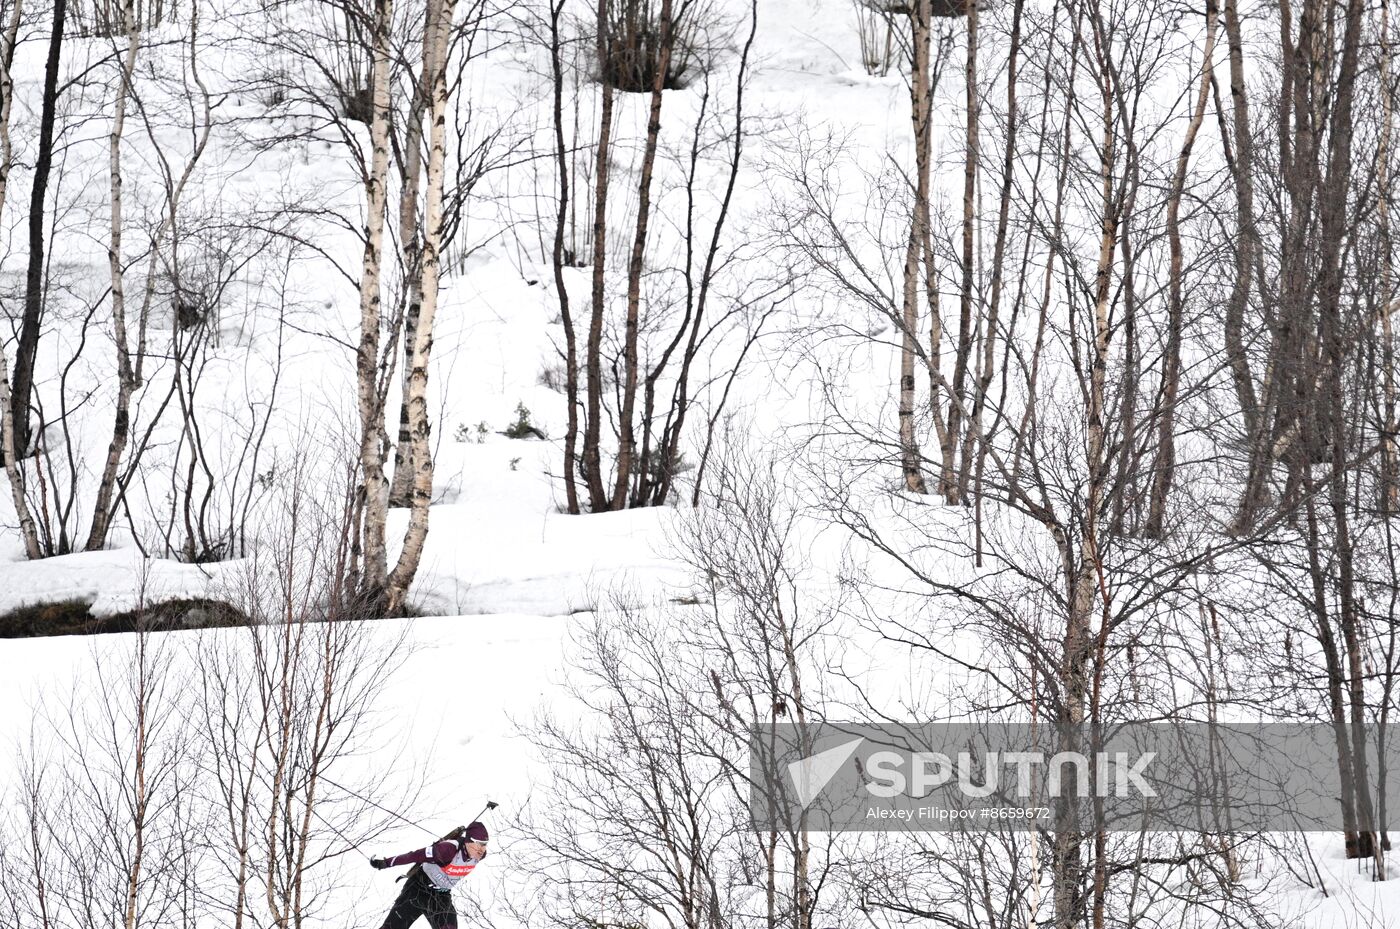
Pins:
x: 180, y: 613
x: 357, y: 104
x: 74, y: 617
x: 634, y: 45
x: 946, y: 9
x: 61, y: 617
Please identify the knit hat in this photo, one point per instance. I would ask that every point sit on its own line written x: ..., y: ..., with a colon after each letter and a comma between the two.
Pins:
x: 476, y: 832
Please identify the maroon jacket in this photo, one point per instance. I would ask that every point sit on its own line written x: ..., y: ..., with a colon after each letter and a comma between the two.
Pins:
x: 444, y: 863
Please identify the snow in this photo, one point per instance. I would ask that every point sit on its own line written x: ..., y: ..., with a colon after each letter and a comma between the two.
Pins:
x: 111, y: 581
x: 446, y: 732
x: 500, y: 546
x: 506, y: 577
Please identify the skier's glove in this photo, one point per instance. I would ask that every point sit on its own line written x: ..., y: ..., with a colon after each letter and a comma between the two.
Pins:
x: 378, y: 864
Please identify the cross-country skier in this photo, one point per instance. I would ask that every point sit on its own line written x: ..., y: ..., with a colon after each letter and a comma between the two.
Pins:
x: 428, y: 890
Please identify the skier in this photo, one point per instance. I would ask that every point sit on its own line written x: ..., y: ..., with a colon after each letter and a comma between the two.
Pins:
x: 428, y: 890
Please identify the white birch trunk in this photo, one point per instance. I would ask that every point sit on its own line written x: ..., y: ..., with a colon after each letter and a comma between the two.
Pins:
x: 430, y: 264
x: 126, y: 375
x: 375, y: 495
x: 400, y: 492
x: 13, y: 471
x: 911, y: 460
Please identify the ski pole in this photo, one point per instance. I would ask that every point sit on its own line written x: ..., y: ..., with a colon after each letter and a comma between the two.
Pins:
x: 490, y: 805
x: 354, y: 846
x: 399, y: 816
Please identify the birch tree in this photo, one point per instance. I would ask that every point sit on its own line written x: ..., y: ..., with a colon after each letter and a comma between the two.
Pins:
x: 132, y: 352
x: 431, y: 269
x: 411, y: 246
x: 1164, y: 468
x: 22, y: 385
x: 10, y: 447
x: 593, y: 365
x: 374, y: 493
x: 921, y: 112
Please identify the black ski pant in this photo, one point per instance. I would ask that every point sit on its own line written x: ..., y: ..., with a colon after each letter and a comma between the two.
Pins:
x: 419, y: 898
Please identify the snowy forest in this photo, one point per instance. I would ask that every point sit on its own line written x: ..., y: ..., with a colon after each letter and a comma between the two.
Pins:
x: 406, y: 404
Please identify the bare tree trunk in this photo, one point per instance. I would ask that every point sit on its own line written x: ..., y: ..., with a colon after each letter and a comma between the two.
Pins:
x: 561, y: 155
x: 126, y: 374
x: 113, y: 484
x: 593, y: 362
x: 374, y: 492
x: 1389, y: 492
x: 1337, y: 686
x: 9, y: 450
x: 1368, y: 840
x: 1281, y: 431
x: 627, y: 446
x: 967, y: 297
x: 1082, y: 568
x: 1126, y: 510
x: 939, y: 386
x: 670, y: 442
x: 279, y: 714
x: 27, y: 352
x: 1247, y: 246
x: 139, y: 797
x: 401, y: 490
x: 130, y: 375
x: 1164, y: 470
x: 1029, y: 424
x: 973, y: 441
x: 1332, y: 337
x: 921, y: 109
x: 417, y: 534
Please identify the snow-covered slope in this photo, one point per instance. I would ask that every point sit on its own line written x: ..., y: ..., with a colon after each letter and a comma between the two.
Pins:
x: 508, y: 581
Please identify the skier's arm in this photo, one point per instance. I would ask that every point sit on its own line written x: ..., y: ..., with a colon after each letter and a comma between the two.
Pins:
x: 439, y: 853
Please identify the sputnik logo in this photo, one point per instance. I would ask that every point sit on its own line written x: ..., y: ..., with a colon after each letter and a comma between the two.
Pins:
x: 810, y: 775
